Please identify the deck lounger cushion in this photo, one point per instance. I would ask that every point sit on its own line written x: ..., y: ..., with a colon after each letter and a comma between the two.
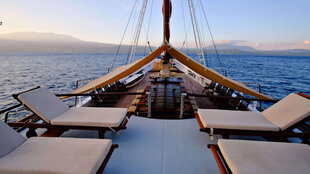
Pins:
x: 258, y: 157
x: 288, y: 111
x: 243, y: 120
x: 45, y: 104
x: 52, y: 110
x: 9, y: 139
x: 56, y: 155
x: 91, y: 116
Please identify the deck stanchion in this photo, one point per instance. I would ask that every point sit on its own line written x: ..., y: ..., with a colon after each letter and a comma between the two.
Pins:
x: 260, y: 102
x: 76, y: 87
x: 149, y: 103
x: 182, y: 104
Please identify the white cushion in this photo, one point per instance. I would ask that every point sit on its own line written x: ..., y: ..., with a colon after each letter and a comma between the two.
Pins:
x: 91, y: 116
x: 226, y: 119
x: 9, y: 139
x: 258, y: 157
x: 288, y: 111
x: 43, y: 103
x: 56, y: 155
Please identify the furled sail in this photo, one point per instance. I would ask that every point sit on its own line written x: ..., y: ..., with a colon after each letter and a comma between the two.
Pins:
x: 209, y: 73
x: 118, y: 73
x: 213, y: 75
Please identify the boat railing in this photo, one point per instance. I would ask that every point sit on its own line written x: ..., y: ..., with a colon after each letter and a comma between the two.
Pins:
x: 15, y: 108
x: 101, y: 94
x: 220, y: 97
x: 259, y: 90
x: 77, y: 86
x: 119, y: 94
x: 8, y: 110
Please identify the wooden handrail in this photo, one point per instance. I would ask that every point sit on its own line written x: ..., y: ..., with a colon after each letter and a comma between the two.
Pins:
x: 304, y: 95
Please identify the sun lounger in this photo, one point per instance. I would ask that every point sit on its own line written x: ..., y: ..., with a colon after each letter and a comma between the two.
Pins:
x: 257, y: 157
x: 51, y: 155
x: 277, y: 121
x: 57, y: 116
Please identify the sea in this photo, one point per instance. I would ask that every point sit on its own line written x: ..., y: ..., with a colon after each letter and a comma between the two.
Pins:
x: 277, y: 75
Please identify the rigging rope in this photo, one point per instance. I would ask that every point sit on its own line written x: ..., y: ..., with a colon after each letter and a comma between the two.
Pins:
x: 138, y: 31
x: 201, y: 30
x: 148, y: 29
x: 185, y: 40
x: 216, y: 52
x: 119, y: 46
x: 199, y: 48
x: 133, y: 33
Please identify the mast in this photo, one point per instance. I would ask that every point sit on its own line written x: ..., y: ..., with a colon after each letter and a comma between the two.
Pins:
x: 167, y: 10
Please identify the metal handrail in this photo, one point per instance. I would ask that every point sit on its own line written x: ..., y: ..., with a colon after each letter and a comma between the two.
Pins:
x: 7, y: 111
x: 233, y: 98
x: 77, y: 86
x: 259, y: 90
x: 101, y: 94
x: 10, y: 108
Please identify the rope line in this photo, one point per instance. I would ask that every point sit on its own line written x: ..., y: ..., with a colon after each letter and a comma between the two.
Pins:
x: 199, y: 48
x: 138, y: 31
x: 132, y: 33
x: 216, y: 52
x: 119, y: 46
x: 148, y: 30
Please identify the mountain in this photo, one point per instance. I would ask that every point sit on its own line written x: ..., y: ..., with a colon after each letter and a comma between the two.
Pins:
x: 35, y: 42
x: 231, y: 47
x: 39, y: 37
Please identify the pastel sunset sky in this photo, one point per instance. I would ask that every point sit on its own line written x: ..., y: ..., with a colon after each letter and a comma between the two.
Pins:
x: 262, y: 24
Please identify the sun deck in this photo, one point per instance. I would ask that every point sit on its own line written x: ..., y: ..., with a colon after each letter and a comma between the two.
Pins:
x: 156, y: 146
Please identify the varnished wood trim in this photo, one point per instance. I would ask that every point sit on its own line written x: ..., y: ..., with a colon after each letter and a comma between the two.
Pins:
x: 256, y: 133
x: 218, y: 159
x: 106, y: 160
x: 199, y: 121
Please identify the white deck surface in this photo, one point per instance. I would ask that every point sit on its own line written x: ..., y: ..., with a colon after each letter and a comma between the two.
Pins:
x: 153, y: 146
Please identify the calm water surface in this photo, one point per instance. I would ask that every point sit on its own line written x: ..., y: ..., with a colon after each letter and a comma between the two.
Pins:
x: 278, y: 75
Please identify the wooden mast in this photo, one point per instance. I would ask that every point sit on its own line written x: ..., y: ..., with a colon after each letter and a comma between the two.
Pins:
x: 167, y: 10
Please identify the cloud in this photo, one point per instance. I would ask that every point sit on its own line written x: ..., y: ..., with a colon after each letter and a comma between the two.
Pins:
x: 231, y: 42
x: 266, y: 45
x: 307, y: 42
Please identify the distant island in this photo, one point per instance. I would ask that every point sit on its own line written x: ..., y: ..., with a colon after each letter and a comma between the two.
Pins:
x: 36, y: 42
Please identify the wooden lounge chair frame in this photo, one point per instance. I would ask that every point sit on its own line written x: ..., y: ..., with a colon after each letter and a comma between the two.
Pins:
x: 57, y: 130
x: 280, y: 135
x: 219, y: 159
x: 107, y: 158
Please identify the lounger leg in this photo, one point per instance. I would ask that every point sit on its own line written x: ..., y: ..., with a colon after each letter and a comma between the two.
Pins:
x: 101, y: 133
x: 31, y: 133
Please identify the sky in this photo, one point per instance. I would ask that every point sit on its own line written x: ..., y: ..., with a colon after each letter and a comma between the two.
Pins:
x: 262, y: 24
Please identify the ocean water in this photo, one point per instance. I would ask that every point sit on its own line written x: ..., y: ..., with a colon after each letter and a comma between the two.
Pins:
x: 278, y: 75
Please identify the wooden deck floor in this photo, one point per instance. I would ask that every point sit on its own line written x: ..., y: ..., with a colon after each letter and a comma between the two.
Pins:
x: 191, y: 87
x: 126, y: 101
x: 194, y: 87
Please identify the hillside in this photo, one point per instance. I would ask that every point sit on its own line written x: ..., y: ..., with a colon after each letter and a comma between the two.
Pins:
x: 35, y: 42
